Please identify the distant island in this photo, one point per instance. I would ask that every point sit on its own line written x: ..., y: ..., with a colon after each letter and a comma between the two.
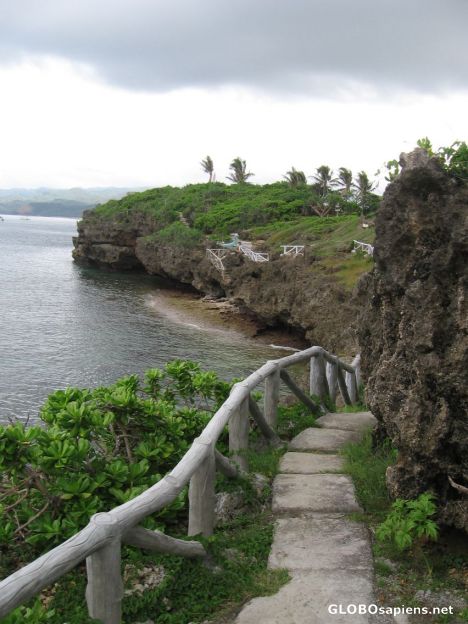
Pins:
x: 53, y: 202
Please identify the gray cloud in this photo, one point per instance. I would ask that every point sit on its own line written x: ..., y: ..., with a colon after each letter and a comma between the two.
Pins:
x: 303, y: 46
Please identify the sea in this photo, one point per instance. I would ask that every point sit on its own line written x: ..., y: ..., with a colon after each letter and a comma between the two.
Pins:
x: 64, y: 325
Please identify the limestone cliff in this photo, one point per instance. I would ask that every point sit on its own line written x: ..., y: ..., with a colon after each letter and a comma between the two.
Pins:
x: 413, y: 333
x: 287, y: 292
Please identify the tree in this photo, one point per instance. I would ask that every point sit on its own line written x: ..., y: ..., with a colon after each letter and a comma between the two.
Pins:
x: 363, y: 187
x: 295, y: 178
x: 239, y: 171
x: 345, y: 181
x: 208, y: 167
x: 324, y: 179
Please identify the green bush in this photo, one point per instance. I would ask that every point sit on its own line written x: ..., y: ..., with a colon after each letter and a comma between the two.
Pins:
x: 100, y: 448
x: 178, y: 235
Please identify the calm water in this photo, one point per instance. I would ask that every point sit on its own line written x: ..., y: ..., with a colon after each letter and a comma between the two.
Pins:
x: 62, y: 325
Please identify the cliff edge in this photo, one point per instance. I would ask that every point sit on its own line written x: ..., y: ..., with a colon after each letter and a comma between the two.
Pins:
x: 413, y: 334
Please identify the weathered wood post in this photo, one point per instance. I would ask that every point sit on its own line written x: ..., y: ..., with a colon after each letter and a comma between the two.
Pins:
x: 332, y: 379
x: 104, y: 591
x: 318, y: 377
x: 272, y: 387
x: 302, y: 396
x: 342, y: 385
x: 202, y: 496
x: 351, y: 386
x: 239, y: 434
x: 356, y: 364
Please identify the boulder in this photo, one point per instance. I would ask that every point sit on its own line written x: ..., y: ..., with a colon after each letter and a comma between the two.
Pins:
x: 413, y: 333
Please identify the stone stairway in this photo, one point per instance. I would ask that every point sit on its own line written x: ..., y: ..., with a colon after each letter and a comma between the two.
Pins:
x: 327, y: 555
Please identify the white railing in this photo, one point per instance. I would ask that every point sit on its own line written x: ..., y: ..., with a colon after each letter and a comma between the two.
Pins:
x: 255, y: 256
x: 293, y: 250
x: 216, y: 256
x: 365, y: 247
x: 100, y: 541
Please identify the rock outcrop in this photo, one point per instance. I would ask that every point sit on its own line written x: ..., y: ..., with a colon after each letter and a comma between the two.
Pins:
x: 413, y: 334
x: 285, y: 292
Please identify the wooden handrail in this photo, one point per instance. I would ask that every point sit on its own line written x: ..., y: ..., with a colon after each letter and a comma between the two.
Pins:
x: 99, y: 542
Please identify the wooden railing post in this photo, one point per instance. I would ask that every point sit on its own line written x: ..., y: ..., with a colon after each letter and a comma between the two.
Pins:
x: 239, y: 434
x: 356, y: 364
x: 342, y: 385
x: 351, y: 386
x: 332, y: 379
x: 318, y: 377
x: 272, y: 386
x: 202, y: 497
x: 104, y: 591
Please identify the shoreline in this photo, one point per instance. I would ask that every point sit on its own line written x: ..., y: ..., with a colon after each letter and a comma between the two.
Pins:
x: 207, y: 313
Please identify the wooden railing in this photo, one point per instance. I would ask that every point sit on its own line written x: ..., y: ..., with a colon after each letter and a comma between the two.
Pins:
x: 100, y: 541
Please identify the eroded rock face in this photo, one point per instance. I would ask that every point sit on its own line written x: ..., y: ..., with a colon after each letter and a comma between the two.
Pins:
x: 285, y: 292
x: 413, y: 334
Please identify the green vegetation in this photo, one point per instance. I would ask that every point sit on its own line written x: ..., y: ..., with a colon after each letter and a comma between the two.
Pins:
x: 406, y: 558
x: 409, y: 521
x: 367, y: 466
x: 177, y: 235
x: 100, y: 448
x: 454, y: 159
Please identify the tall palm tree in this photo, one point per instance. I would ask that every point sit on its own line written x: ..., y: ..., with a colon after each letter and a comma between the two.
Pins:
x: 239, y: 171
x: 363, y: 189
x: 345, y: 180
x: 295, y: 178
x: 208, y: 167
x: 324, y: 179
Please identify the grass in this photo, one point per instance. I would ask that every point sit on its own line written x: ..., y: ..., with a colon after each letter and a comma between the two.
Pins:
x: 439, y: 567
x: 367, y: 467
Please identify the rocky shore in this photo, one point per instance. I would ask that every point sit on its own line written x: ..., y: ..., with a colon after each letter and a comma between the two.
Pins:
x: 292, y: 294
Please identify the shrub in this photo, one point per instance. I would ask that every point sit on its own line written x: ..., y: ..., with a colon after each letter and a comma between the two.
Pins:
x: 100, y: 448
x: 178, y: 235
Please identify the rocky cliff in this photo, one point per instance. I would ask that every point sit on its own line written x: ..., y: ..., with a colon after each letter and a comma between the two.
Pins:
x: 413, y: 334
x: 293, y: 293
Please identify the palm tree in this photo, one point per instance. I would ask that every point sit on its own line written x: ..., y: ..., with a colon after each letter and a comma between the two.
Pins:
x: 345, y: 180
x: 295, y: 178
x: 363, y: 187
x: 239, y: 171
x: 208, y: 167
x: 324, y: 179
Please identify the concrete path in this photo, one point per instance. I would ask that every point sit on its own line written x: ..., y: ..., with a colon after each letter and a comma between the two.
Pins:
x: 327, y: 555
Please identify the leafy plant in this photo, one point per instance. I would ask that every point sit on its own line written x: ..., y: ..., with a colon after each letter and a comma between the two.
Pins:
x: 100, y: 448
x: 409, y: 521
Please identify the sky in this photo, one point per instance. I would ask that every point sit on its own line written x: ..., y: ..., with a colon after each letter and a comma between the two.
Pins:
x: 137, y: 92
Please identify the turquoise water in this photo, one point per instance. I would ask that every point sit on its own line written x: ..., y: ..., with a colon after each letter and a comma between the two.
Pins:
x: 62, y: 325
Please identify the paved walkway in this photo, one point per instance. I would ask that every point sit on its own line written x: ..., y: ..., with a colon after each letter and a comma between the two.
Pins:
x: 327, y: 555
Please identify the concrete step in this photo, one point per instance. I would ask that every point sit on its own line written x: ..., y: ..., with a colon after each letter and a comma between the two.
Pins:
x: 324, y: 440
x: 354, y: 421
x: 320, y: 543
x: 296, y: 494
x: 307, y: 597
x: 308, y: 463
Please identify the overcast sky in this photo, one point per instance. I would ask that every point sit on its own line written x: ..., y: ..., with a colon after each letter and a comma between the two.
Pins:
x: 137, y: 92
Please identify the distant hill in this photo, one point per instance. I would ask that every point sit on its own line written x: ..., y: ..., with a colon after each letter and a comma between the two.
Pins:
x: 51, y: 202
